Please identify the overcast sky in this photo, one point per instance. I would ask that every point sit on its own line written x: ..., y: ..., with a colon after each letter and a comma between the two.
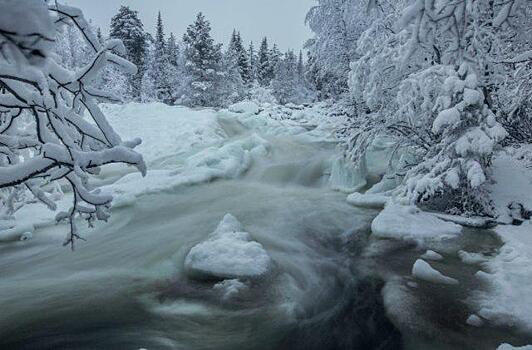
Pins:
x: 283, y: 21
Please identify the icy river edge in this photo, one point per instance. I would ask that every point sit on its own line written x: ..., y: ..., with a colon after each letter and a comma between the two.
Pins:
x: 127, y: 288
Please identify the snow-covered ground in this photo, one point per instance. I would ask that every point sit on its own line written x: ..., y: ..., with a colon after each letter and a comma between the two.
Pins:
x: 184, y: 146
x: 508, y: 301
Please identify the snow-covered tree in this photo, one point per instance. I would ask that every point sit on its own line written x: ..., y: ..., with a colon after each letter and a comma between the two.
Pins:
x: 337, y: 25
x: 59, y: 143
x: 127, y: 26
x: 173, y: 50
x: 161, y: 64
x: 253, y: 59
x: 265, y: 68
x: 288, y: 86
x: 203, y: 65
x: 238, y: 53
x: 429, y: 75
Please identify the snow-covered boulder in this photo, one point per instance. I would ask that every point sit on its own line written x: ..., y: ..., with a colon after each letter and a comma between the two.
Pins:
x: 423, y: 271
x: 230, y: 288
x: 510, y: 347
x: 367, y: 200
x: 432, y: 255
x: 411, y: 224
x: 248, y: 107
x: 228, y: 253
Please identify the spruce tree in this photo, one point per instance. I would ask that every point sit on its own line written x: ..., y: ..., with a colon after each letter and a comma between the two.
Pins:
x: 264, y: 69
x: 127, y: 26
x: 202, y: 65
x: 239, y: 54
x: 161, y: 64
x: 173, y: 50
x: 252, y: 61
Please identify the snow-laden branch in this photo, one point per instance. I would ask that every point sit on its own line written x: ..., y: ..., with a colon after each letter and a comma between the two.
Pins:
x: 70, y: 137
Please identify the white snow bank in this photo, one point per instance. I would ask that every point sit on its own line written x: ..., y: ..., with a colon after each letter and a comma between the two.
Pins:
x: 248, y: 107
x: 228, y: 253
x: 509, y: 347
x: 512, y: 182
x: 166, y: 131
x: 228, y: 161
x: 508, y: 301
x: 367, y: 200
x: 423, y: 271
x: 411, y: 224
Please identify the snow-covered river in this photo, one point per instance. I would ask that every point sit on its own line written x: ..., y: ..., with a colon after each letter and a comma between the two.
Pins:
x: 126, y: 287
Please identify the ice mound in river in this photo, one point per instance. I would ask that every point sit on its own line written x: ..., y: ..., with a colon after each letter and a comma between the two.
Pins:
x: 228, y: 253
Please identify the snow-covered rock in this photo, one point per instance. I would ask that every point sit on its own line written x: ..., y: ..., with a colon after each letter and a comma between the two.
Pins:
x: 411, y: 224
x: 423, y: 271
x: 228, y: 253
x: 475, y: 321
x: 22, y: 232
x: 248, y: 107
x: 431, y: 255
x: 230, y: 288
x: 367, y: 200
x: 510, y: 347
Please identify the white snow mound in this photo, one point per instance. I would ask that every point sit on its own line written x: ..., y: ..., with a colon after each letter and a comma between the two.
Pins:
x: 228, y: 253
x: 411, y: 224
x: 368, y: 200
x: 423, y: 271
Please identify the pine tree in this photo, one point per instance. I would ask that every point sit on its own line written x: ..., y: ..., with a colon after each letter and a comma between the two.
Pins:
x: 127, y: 26
x: 202, y: 65
x: 236, y: 49
x: 161, y: 64
x: 288, y: 85
x: 173, y: 50
x: 252, y: 61
x: 301, y: 66
x: 264, y: 69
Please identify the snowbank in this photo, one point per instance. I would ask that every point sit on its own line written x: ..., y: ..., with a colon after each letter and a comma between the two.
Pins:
x: 228, y: 253
x: 512, y: 182
x: 508, y: 301
x: 166, y: 131
x: 423, y: 271
x: 223, y: 162
x: 411, y: 224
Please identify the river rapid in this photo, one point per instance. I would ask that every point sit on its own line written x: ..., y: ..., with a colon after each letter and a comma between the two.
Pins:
x: 332, y: 287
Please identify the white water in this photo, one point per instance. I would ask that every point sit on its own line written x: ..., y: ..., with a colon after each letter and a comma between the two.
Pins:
x: 125, y: 287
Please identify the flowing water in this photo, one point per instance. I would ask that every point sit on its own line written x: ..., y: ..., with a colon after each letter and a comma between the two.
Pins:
x: 125, y: 287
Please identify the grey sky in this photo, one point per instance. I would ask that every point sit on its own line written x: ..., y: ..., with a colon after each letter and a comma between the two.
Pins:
x: 280, y: 20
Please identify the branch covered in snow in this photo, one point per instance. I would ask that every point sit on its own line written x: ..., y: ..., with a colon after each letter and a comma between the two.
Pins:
x: 67, y: 136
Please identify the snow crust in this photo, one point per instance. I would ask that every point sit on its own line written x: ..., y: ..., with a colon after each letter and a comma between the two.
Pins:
x: 423, y: 271
x: 228, y: 253
x: 411, y: 224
